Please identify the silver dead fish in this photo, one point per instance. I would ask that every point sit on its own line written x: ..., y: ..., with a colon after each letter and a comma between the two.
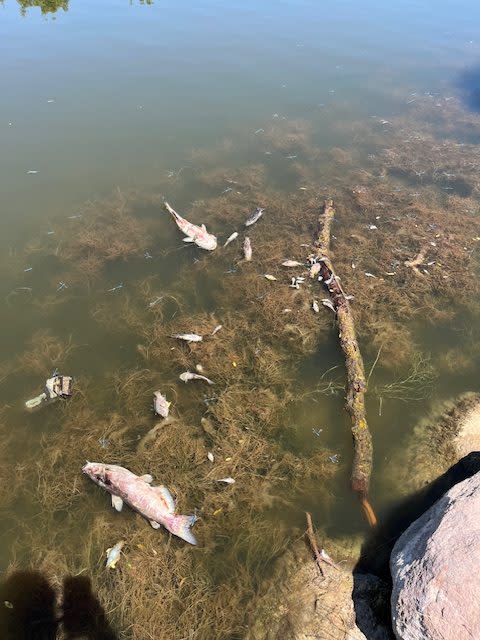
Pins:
x: 247, y: 249
x: 315, y: 306
x: 231, y: 238
x: 256, y: 215
x: 292, y: 263
x: 189, y: 375
x: 217, y: 329
x: 161, y: 405
x: 187, y: 337
x: 113, y: 555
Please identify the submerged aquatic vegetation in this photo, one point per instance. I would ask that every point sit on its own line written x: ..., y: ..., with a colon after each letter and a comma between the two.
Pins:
x: 422, y: 254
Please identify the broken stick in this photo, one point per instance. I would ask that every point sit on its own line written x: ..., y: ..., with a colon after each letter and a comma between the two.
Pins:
x: 313, y: 542
x: 356, y: 382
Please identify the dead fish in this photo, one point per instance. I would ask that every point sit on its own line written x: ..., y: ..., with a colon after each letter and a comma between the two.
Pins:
x: 226, y: 480
x: 113, y: 555
x: 269, y: 277
x: 231, y: 238
x: 292, y: 263
x: 369, y: 275
x: 155, y: 504
x: 256, y: 215
x: 294, y: 284
x: 326, y: 558
x: 210, y: 456
x: 187, y: 337
x: 188, y: 375
x: 328, y: 303
x: 217, y: 329
x: 193, y: 233
x: 315, y: 269
x: 161, y: 405
x: 315, y: 306
x: 247, y: 249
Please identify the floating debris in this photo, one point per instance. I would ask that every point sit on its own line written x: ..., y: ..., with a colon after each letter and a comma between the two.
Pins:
x: 116, y: 288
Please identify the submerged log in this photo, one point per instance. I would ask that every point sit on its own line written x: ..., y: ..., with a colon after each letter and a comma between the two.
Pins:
x: 356, y: 382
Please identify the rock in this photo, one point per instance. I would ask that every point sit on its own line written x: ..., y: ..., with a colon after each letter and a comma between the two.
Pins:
x: 299, y: 604
x: 435, y: 566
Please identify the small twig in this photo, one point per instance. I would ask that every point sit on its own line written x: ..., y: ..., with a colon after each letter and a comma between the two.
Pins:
x: 375, y: 363
x: 313, y: 542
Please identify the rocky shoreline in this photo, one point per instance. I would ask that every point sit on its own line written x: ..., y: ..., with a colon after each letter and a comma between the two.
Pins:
x: 417, y: 577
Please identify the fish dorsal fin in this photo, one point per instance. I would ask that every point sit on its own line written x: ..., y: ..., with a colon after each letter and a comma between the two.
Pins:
x: 203, y: 228
x: 117, y: 503
x: 167, y: 497
x: 188, y: 239
x: 147, y: 478
x: 154, y: 524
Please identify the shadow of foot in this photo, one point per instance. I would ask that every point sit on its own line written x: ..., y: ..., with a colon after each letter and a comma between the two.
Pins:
x: 83, y: 615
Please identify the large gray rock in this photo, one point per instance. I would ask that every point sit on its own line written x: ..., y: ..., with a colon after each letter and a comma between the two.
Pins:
x: 435, y: 567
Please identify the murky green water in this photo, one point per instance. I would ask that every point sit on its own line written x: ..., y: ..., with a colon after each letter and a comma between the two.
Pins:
x: 217, y: 107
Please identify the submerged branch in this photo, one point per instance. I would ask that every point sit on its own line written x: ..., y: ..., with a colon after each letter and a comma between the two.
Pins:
x: 356, y: 383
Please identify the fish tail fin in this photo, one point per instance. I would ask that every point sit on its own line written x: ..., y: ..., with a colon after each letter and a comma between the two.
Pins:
x: 180, y: 527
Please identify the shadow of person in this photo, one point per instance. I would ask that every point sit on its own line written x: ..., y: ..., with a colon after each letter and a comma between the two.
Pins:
x: 83, y: 615
x: 27, y: 607
x: 373, y: 566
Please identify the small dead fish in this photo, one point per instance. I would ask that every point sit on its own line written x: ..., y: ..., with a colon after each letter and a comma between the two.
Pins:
x: 113, y: 555
x: 188, y: 375
x: 292, y: 263
x: 231, y: 238
x: 210, y: 456
x: 315, y: 269
x: 326, y: 558
x: 267, y: 276
x: 187, y: 337
x: 369, y: 275
x: 161, y: 405
x: 217, y: 329
x: 372, y: 227
x: 315, y: 306
x: 256, y: 215
x: 247, y: 249
x: 226, y: 480
x: 300, y: 279
x: 294, y: 284
x: 328, y: 303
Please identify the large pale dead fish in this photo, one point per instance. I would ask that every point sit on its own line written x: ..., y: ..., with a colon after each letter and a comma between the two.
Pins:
x: 193, y: 233
x: 247, y: 248
x: 153, y: 503
x: 256, y: 215
x: 188, y: 375
x: 161, y: 405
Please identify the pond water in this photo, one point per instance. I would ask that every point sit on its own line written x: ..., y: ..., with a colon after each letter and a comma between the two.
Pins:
x: 109, y: 108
